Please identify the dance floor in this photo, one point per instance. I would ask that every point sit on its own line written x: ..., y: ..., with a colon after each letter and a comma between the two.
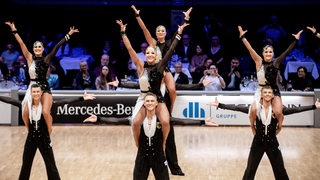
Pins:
x: 103, y: 152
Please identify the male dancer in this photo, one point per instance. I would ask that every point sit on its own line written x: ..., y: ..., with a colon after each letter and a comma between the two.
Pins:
x: 38, y: 135
x: 265, y: 139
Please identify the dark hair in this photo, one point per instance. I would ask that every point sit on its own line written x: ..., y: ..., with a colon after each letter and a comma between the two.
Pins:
x: 302, y: 67
x: 35, y: 86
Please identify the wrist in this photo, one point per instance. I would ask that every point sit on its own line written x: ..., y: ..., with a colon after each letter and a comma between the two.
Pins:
x: 137, y: 15
x: 315, y: 33
x: 122, y: 33
x: 14, y: 32
x: 242, y: 37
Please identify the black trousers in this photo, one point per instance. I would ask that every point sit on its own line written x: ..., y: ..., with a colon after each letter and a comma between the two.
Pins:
x: 275, y: 158
x: 171, y: 151
x: 38, y: 139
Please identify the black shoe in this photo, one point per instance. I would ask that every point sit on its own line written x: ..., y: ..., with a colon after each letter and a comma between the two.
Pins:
x: 177, y: 172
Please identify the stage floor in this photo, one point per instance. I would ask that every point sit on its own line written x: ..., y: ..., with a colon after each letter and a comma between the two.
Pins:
x: 101, y: 152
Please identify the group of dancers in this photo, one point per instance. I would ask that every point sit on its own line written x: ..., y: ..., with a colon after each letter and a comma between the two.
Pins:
x: 151, y: 121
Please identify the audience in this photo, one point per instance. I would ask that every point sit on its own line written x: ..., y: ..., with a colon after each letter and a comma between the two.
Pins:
x: 10, y: 55
x: 213, y: 75
x: 301, y: 82
x: 102, y: 80
x: 178, y: 76
x: 85, y: 78
x: 233, y: 76
x: 196, y: 63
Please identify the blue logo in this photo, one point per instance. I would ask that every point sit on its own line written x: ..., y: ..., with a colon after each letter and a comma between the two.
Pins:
x: 194, y: 111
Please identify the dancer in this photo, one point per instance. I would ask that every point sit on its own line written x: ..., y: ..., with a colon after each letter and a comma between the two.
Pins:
x: 150, y: 79
x: 162, y: 47
x: 38, y: 67
x: 265, y: 139
x: 267, y: 71
x: 38, y: 136
x: 150, y: 153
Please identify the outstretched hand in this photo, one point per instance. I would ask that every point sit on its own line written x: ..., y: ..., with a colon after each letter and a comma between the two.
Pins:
x: 206, y: 82
x: 241, y: 31
x: 180, y: 29
x: 114, y: 83
x: 312, y: 29
x: 122, y: 26
x: 87, y: 96
x: 187, y: 13
x: 91, y: 118
x: 11, y: 25
x: 137, y: 12
x: 297, y: 36
x: 214, y: 103
x: 73, y: 30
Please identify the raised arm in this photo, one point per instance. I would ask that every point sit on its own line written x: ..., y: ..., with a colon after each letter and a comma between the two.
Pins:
x: 151, y: 41
x: 231, y: 107
x: 254, y: 55
x: 314, y: 31
x: 167, y: 56
x: 23, y: 47
x: 283, y: 55
x: 50, y: 56
x: 85, y: 97
x: 133, y: 55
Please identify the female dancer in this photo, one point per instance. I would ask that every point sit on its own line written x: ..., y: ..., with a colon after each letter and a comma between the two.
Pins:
x: 38, y: 67
x: 162, y: 47
x: 267, y: 71
x: 150, y: 78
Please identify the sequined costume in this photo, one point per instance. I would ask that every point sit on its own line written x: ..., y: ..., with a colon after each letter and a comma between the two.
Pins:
x: 151, y: 79
x: 268, y: 72
x: 38, y: 73
x: 265, y: 139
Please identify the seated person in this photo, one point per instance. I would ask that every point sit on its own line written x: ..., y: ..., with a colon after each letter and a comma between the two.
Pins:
x: 301, y: 82
x: 53, y: 79
x: 85, y: 79
x: 178, y: 75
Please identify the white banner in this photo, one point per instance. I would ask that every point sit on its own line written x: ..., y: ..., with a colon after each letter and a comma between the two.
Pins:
x: 187, y: 106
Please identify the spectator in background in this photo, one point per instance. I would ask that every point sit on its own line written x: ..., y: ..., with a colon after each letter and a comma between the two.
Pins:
x: 209, y: 27
x: 197, y: 62
x: 102, y: 80
x: 233, y: 76
x: 10, y: 55
x: 85, y: 78
x: 185, y: 49
x: 53, y: 79
x: 20, y: 71
x: 301, y: 82
x: 121, y: 57
x: 274, y: 31
x: 104, y: 61
x: 213, y: 75
x: 4, y: 69
x: 206, y: 66
x: 216, y: 51
x: 178, y: 76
